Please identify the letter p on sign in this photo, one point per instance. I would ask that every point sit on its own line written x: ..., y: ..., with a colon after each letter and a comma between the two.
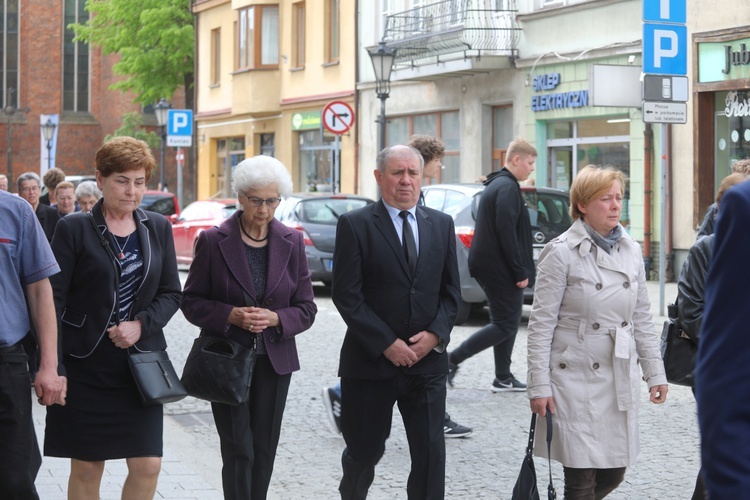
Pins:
x: 664, y: 49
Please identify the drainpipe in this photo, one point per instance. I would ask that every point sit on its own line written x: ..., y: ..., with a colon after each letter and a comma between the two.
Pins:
x: 357, y: 106
x: 648, y: 154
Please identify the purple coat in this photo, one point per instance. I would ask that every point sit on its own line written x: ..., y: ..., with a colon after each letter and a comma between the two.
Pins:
x: 220, y: 277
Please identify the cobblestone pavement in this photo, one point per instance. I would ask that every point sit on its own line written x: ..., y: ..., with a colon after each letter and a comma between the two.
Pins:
x: 483, y: 465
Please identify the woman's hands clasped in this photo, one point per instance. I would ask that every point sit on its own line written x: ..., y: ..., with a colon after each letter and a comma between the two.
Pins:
x: 253, y: 319
x: 125, y: 334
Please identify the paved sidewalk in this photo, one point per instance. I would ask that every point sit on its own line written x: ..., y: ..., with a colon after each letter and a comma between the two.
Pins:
x: 483, y: 465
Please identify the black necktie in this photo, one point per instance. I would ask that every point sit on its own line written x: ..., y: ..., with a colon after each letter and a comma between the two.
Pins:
x: 407, y: 241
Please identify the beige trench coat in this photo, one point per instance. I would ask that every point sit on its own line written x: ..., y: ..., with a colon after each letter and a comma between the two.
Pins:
x: 590, y: 327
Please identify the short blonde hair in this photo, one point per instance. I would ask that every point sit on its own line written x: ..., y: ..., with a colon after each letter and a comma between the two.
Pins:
x: 729, y: 181
x: 592, y: 182
x: 64, y: 185
x: 519, y: 147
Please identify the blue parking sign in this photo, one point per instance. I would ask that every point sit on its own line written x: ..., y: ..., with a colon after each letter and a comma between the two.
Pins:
x: 664, y: 49
x: 180, y: 127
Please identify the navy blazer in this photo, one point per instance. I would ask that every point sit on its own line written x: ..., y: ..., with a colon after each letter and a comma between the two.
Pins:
x: 220, y: 277
x: 379, y: 299
x: 84, y: 288
x: 722, y: 365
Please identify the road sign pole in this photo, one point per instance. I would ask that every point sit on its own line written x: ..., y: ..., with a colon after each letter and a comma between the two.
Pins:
x: 180, y: 163
x: 663, y: 219
x: 336, y: 163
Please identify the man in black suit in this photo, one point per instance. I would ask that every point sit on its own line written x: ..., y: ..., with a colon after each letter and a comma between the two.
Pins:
x: 29, y: 186
x: 396, y: 286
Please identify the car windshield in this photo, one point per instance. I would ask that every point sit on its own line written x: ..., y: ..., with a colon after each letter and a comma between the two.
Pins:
x: 162, y: 204
x: 327, y: 210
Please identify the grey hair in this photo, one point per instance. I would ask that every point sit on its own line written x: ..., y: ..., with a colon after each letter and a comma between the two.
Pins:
x: 88, y: 188
x: 28, y: 176
x: 259, y: 172
x: 398, y: 151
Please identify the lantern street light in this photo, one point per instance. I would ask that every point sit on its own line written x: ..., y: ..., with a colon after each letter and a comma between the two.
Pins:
x: 382, y: 62
x: 161, y: 110
x: 48, y: 131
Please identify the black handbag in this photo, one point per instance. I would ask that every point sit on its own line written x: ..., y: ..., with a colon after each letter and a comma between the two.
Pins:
x: 678, y: 352
x: 219, y: 370
x: 153, y: 372
x: 526, y: 487
x: 155, y: 377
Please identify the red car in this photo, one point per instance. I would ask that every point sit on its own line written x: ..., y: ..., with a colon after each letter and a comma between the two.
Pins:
x: 193, y: 220
x: 161, y: 202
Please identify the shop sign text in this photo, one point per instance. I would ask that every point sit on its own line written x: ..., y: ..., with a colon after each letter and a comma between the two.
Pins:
x: 735, y: 58
x: 736, y: 106
x: 559, y: 100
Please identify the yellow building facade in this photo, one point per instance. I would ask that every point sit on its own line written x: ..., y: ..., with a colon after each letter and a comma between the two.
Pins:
x: 264, y: 73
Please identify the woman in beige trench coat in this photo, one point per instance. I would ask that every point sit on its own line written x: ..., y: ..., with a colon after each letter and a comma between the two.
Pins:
x: 589, y: 329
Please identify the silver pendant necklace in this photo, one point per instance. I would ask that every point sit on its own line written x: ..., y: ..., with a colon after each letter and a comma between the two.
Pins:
x: 121, y: 255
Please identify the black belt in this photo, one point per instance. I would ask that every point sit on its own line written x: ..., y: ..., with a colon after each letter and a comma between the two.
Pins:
x: 13, y: 353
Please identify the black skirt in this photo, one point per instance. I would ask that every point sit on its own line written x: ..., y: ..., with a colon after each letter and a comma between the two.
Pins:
x: 104, y: 417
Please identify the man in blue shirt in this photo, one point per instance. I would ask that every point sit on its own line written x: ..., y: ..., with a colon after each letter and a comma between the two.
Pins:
x: 27, y: 263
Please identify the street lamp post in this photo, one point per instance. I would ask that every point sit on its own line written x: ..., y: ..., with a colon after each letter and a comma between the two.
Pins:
x: 161, y: 110
x: 382, y: 62
x: 48, y: 131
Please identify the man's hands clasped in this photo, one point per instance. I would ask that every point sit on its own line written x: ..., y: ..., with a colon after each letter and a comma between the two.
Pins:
x: 420, y: 344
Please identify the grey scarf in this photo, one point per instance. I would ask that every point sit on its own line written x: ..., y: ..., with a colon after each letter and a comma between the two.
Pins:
x: 606, y: 243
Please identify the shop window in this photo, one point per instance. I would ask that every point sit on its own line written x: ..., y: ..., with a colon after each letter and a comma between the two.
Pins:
x: 315, y: 161
x: 445, y: 125
x: 229, y: 153
x: 75, y: 59
x: 258, y: 37
x: 267, y: 144
x: 731, y: 131
x: 572, y: 145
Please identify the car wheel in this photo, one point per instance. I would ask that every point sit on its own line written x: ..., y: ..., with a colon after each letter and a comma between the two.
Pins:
x: 464, y: 309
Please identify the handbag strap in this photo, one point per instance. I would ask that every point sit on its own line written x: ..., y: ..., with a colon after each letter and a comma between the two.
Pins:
x: 532, y: 431
x: 551, y: 493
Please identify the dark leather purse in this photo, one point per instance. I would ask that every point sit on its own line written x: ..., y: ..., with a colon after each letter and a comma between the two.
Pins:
x: 153, y: 372
x: 526, y: 487
x: 678, y: 352
x: 219, y: 370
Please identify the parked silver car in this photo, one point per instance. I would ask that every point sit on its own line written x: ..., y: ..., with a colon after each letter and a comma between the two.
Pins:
x: 316, y: 215
x: 548, y: 212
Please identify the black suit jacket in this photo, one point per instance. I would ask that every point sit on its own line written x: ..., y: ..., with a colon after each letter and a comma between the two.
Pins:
x: 48, y: 218
x: 84, y: 288
x: 379, y: 299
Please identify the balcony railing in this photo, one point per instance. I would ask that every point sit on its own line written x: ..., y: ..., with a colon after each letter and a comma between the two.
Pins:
x: 467, y: 27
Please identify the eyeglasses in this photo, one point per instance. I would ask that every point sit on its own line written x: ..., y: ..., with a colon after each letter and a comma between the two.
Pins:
x: 28, y: 189
x: 256, y: 202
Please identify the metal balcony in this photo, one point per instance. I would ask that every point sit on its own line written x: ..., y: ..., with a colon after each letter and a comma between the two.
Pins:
x: 453, y: 29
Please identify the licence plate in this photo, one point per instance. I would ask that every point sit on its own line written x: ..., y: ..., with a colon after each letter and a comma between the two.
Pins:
x: 328, y: 263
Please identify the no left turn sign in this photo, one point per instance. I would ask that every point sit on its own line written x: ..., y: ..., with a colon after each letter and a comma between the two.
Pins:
x: 338, y: 117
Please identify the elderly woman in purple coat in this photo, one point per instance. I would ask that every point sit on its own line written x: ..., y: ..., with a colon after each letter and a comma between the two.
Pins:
x: 249, y: 281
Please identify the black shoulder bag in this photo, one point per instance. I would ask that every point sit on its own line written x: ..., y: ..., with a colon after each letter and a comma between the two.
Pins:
x: 218, y: 369
x: 154, y: 375
x: 678, y: 351
x: 525, y: 488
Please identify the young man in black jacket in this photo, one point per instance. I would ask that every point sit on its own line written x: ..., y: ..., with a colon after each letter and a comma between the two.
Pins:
x: 501, y: 260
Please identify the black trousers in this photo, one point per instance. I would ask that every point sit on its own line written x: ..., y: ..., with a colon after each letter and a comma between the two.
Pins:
x: 249, y: 434
x: 591, y: 484
x: 366, y: 415
x: 506, y: 307
x: 20, y: 458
